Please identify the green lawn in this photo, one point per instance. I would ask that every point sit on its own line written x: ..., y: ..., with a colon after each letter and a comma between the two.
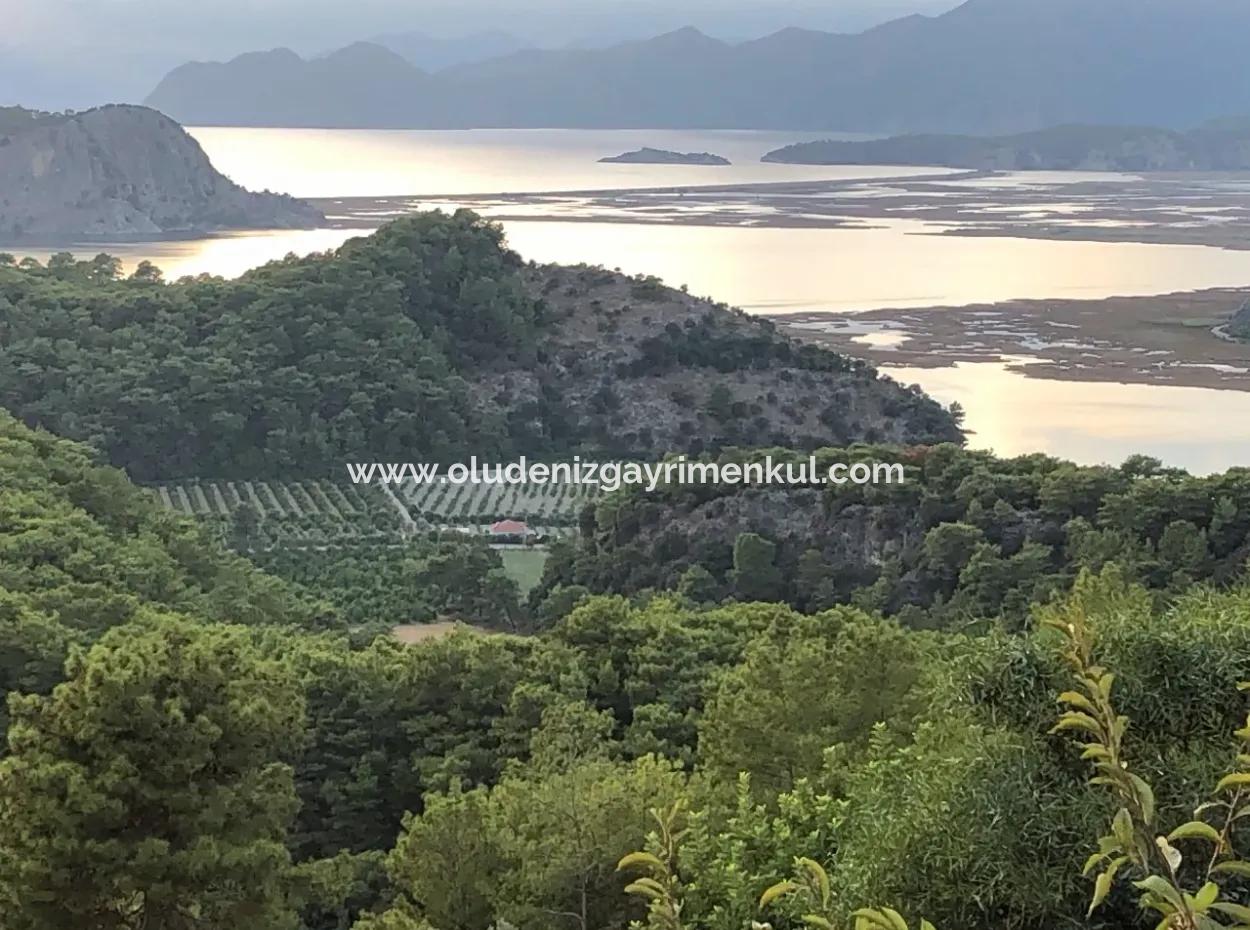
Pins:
x: 525, y: 566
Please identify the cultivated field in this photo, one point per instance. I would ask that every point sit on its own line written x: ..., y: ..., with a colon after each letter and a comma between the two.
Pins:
x: 287, y: 512
x: 317, y: 512
x: 548, y: 509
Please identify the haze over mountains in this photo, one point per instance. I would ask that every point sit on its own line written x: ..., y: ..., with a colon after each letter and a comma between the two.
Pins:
x: 987, y: 66
x: 1219, y: 145
x: 432, y: 53
x: 56, y: 54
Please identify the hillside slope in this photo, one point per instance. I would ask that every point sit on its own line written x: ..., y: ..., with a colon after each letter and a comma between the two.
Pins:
x: 1061, y: 148
x: 988, y: 66
x: 82, y: 550
x: 121, y: 171
x: 967, y: 536
x: 429, y: 340
x: 84, y: 547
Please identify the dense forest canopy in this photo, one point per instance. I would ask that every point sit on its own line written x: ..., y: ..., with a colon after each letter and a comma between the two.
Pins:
x: 280, y: 370
x: 967, y: 537
x: 378, y: 586
x: 269, y: 774
x: 850, y: 690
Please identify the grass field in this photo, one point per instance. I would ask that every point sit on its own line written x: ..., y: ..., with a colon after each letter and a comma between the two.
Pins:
x: 524, y: 566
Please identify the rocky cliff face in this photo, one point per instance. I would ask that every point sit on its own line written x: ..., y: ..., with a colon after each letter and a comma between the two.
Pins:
x: 122, y: 171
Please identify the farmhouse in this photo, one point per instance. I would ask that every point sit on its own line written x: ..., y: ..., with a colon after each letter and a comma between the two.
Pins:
x: 507, y: 529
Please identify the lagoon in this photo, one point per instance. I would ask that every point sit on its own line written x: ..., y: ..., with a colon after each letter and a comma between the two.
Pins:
x: 763, y: 269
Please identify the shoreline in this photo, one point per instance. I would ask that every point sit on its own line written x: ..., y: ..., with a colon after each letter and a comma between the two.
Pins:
x: 1183, y: 209
x: 1164, y: 340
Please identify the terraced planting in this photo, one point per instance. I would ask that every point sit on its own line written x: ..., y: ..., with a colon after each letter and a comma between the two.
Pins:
x: 287, y: 512
x: 548, y: 509
x: 315, y: 512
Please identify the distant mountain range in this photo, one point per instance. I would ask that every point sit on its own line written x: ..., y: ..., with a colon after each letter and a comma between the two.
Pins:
x: 116, y: 172
x: 431, y: 53
x: 1222, y: 145
x: 988, y: 66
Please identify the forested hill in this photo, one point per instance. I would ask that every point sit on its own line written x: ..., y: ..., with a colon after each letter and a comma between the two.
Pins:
x: 120, y: 171
x: 1220, y: 146
x: 83, y: 550
x: 185, y: 729
x: 429, y: 340
x: 968, y: 536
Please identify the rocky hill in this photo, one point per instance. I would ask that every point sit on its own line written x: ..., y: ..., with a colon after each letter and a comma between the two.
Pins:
x: 646, y: 369
x: 1221, y: 146
x: 121, y: 171
x: 427, y: 341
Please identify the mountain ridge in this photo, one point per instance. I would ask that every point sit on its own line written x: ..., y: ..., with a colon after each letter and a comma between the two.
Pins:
x: 1218, y: 146
x: 987, y: 66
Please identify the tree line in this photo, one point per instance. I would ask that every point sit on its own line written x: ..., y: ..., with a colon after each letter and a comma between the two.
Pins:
x: 966, y: 538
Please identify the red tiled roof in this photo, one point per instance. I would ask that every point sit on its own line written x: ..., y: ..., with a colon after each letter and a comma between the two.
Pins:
x: 509, y: 528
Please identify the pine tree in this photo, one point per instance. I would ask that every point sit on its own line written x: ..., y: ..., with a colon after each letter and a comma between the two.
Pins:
x: 147, y: 790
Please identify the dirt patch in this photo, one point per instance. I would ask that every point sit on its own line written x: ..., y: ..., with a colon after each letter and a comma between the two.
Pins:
x: 419, y: 632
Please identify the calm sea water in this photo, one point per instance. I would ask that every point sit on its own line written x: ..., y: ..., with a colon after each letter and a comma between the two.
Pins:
x: 381, y: 163
x: 1200, y: 429
x: 780, y: 270
x: 762, y: 269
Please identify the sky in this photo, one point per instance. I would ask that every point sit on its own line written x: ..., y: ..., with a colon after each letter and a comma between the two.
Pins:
x: 245, y: 24
x: 59, y: 53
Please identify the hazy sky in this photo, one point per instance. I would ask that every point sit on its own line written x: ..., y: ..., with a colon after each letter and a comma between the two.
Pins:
x: 56, y: 53
x: 241, y: 24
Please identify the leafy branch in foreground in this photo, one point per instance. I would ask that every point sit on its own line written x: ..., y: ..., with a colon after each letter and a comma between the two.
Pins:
x: 658, y: 882
x: 1136, y: 842
x: 812, y: 887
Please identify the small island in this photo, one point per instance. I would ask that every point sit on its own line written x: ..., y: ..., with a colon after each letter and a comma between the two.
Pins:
x: 650, y: 156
